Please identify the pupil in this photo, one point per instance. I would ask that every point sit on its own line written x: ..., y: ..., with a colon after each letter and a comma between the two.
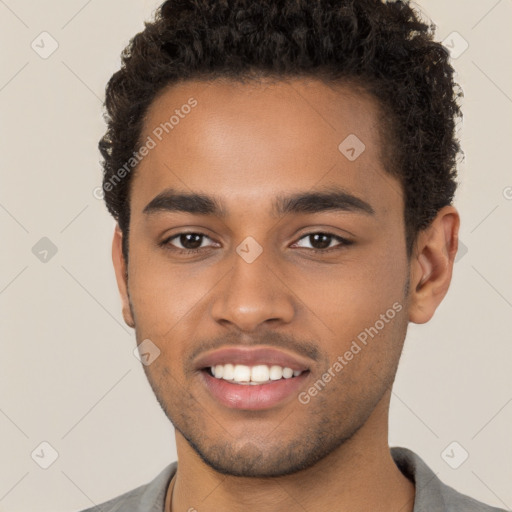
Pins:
x: 320, y: 244
x: 186, y: 241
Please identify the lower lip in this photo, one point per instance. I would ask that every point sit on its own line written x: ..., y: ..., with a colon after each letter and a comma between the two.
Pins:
x: 247, y: 396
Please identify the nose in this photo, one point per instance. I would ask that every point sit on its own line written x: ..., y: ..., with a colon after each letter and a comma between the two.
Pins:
x: 253, y: 294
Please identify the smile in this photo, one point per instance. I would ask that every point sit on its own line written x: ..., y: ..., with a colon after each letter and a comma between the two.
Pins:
x: 252, y: 375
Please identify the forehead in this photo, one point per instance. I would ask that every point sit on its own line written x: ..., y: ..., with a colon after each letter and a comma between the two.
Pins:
x: 247, y: 141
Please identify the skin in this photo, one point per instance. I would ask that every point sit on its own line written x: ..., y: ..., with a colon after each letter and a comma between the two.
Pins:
x: 247, y: 144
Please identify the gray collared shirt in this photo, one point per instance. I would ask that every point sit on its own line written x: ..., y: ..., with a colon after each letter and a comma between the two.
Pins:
x: 431, y: 494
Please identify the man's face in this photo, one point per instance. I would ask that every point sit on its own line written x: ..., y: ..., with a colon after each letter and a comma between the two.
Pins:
x: 256, y: 282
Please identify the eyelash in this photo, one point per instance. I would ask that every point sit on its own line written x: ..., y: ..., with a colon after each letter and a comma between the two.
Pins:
x: 343, y: 242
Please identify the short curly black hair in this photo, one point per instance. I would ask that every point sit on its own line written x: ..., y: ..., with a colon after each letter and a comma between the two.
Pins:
x: 383, y: 48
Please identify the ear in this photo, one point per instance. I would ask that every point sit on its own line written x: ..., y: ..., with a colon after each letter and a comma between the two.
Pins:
x: 121, y: 274
x: 432, y: 264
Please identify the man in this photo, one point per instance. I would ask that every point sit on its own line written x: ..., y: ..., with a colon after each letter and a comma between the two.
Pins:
x: 282, y: 175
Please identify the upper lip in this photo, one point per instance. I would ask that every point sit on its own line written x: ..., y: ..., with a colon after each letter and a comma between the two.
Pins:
x: 251, y: 356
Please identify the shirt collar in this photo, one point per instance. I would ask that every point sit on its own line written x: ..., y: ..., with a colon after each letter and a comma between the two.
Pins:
x: 429, y: 489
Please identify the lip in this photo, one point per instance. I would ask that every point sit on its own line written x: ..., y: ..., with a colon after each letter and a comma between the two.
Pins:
x: 248, y: 397
x: 251, y: 356
x: 252, y: 397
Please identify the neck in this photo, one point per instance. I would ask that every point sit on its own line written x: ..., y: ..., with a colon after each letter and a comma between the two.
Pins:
x: 359, y: 476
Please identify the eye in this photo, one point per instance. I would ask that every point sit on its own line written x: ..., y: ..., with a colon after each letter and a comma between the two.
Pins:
x: 192, y: 242
x: 186, y: 242
x: 322, y: 242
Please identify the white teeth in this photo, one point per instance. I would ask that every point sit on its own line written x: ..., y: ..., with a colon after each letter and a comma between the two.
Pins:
x: 229, y: 371
x: 242, y: 373
x: 287, y: 373
x: 254, y: 375
x: 260, y: 373
x: 276, y: 372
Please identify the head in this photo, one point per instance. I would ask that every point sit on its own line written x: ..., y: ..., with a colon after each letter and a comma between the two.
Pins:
x: 318, y: 137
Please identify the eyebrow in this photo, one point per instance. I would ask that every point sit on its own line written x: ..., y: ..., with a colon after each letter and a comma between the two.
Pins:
x: 329, y: 199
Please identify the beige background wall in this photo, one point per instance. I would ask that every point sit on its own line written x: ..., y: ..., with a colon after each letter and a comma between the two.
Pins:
x: 67, y: 373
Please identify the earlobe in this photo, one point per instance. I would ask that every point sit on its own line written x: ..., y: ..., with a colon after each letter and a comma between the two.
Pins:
x: 121, y: 275
x: 432, y: 264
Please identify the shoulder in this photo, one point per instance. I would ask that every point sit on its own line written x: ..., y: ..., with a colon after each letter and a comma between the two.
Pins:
x: 149, y: 497
x: 455, y: 502
x: 432, y: 495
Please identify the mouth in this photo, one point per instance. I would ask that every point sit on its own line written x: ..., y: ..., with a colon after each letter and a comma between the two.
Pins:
x: 252, y: 378
x: 252, y: 375
x: 251, y: 395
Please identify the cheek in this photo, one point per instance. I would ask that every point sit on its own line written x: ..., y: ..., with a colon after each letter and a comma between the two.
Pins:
x: 163, y: 294
x: 361, y: 310
x: 351, y: 296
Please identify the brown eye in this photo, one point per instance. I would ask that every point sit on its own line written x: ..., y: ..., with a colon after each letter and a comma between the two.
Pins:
x: 186, y: 242
x: 321, y: 242
x: 190, y: 240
